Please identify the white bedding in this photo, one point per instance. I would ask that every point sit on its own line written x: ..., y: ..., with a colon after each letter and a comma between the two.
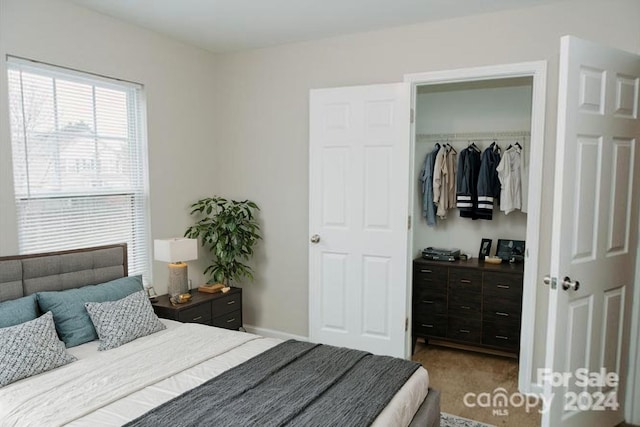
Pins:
x: 112, y: 387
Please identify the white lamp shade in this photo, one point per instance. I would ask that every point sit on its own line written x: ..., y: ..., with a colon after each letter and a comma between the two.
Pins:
x: 175, y: 250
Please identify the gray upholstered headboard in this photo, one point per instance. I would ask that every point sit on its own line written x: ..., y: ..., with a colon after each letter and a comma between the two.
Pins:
x: 23, y: 275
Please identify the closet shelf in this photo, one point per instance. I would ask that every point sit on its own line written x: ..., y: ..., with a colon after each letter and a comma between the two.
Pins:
x: 471, y: 136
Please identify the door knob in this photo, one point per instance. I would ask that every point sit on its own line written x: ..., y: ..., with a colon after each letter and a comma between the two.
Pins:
x: 315, y: 238
x: 568, y: 284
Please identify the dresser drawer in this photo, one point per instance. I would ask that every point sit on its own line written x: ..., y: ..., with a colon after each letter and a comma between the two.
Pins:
x: 426, y: 302
x: 464, y: 329
x: 465, y: 304
x: 501, y: 311
x: 462, y: 279
x: 198, y: 314
x: 435, y: 326
x: 502, y: 285
x: 428, y: 316
x: 231, y: 320
x: 506, y: 336
x: 427, y: 292
x: 433, y: 276
x: 226, y: 304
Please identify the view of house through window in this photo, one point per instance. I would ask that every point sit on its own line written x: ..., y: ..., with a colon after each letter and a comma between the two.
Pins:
x: 79, y: 161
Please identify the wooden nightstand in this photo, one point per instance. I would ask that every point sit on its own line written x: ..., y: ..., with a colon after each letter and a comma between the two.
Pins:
x: 221, y: 310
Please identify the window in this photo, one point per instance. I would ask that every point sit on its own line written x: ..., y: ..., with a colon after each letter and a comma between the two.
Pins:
x: 79, y: 161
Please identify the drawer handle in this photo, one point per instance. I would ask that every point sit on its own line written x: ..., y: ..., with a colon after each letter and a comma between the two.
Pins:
x: 502, y: 337
x: 426, y: 326
x: 427, y: 301
x: 231, y: 320
x: 499, y: 313
x: 503, y: 286
x: 231, y: 302
x: 465, y: 331
x: 197, y: 318
x: 426, y: 271
x: 465, y: 281
x: 465, y: 307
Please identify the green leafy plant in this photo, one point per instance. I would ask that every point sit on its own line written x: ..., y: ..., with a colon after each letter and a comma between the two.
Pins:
x: 229, y: 230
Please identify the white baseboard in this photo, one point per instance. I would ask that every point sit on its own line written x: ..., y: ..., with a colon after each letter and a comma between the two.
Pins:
x: 271, y: 333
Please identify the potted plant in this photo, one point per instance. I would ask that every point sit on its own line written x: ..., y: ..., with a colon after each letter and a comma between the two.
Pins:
x: 229, y: 230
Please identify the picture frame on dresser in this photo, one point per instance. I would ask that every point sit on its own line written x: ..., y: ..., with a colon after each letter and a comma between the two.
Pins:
x: 507, y: 249
x: 485, y: 249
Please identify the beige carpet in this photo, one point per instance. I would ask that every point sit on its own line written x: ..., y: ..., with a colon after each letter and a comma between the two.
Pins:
x: 457, y: 372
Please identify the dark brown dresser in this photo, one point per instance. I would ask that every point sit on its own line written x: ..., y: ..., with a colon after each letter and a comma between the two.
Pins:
x: 221, y: 310
x: 469, y: 303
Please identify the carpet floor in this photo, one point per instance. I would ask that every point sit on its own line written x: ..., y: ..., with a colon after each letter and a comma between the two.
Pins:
x: 448, y: 420
x: 458, y: 372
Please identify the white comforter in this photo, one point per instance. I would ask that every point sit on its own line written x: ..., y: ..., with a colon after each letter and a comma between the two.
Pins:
x: 112, y: 387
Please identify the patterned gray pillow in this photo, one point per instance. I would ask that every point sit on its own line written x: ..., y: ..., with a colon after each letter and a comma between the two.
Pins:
x: 118, y: 322
x: 30, y: 348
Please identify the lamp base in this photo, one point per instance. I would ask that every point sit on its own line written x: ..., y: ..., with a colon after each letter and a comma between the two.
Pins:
x: 178, y: 279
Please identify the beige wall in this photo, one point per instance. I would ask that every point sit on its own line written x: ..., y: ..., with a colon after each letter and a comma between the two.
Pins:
x: 178, y: 81
x: 264, y: 110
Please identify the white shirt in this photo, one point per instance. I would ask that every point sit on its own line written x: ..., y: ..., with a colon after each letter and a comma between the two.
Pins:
x: 510, y: 176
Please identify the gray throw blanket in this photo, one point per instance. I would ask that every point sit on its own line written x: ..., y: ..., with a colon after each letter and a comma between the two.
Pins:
x: 294, y: 384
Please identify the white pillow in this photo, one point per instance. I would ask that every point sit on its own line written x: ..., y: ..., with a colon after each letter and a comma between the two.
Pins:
x: 30, y: 348
x: 122, y: 321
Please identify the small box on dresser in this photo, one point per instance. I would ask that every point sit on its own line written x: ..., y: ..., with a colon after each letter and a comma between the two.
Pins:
x: 223, y: 310
x: 468, y: 303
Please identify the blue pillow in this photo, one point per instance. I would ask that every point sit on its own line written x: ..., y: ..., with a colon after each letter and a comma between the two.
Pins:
x: 72, y: 320
x: 18, y: 311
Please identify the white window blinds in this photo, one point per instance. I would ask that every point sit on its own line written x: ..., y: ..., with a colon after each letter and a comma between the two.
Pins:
x: 79, y: 161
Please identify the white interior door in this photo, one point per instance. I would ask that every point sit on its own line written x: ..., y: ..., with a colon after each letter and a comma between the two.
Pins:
x: 594, y: 231
x: 359, y: 188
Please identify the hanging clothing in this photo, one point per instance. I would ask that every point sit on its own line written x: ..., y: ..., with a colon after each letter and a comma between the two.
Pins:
x: 467, y: 182
x: 440, y: 182
x: 426, y: 181
x: 509, y: 173
x: 452, y: 167
x: 488, y: 182
x: 524, y: 177
x: 444, y: 181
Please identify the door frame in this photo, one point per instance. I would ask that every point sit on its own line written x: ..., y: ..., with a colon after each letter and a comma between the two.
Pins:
x: 538, y: 71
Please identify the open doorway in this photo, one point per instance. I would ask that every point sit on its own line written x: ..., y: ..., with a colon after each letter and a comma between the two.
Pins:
x: 466, y: 310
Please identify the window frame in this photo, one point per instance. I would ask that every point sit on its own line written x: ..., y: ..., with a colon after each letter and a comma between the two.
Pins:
x: 136, y: 135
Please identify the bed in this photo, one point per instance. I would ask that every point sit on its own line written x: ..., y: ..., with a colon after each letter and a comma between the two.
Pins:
x: 107, y: 388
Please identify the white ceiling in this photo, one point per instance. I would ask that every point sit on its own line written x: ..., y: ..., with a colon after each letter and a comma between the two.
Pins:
x: 233, y: 25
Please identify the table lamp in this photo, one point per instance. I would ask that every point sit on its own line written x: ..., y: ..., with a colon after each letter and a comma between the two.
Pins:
x: 175, y: 251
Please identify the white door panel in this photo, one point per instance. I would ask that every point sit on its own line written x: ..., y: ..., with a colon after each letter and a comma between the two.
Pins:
x: 594, y: 228
x: 359, y: 165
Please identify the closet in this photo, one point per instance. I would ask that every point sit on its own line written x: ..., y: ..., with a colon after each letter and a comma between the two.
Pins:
x: 470, y: 303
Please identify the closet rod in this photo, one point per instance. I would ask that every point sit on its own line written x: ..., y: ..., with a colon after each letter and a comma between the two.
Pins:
x: 468, y: 136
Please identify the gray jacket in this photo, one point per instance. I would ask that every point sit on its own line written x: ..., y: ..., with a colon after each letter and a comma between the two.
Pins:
x: 426, y: 180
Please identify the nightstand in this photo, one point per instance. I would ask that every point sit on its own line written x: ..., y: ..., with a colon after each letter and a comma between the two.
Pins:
x: 221, y: 310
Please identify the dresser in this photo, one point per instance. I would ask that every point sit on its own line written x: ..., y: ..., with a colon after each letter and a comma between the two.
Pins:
x: 468, y: 302
x: 221, y: 310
